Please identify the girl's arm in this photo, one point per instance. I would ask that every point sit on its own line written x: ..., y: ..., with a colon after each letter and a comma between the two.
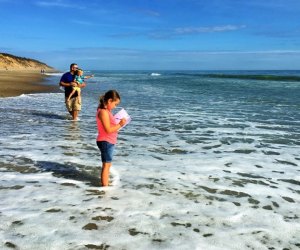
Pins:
x: 104, y: 118
x: 87, y: 77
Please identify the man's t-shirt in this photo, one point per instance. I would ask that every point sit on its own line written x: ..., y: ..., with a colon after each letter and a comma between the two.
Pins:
x: 67, y: 78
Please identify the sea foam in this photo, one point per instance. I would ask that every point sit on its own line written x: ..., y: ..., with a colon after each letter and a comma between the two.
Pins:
x: 215, y: 170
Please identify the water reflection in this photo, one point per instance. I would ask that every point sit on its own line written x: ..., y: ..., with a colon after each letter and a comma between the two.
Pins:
x: 73, y: 131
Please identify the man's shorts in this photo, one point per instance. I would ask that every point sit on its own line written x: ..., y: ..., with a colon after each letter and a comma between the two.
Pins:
x: 73, y: 104
x: 106, y: 150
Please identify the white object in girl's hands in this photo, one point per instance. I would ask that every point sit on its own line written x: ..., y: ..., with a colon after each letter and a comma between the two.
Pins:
x: 122, y: 114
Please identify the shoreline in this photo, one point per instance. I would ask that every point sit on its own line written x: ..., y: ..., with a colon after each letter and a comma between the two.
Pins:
x: 18, y: 82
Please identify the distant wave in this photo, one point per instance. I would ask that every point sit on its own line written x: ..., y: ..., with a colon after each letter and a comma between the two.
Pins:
x: 263, y: 77
x: 155, y: 74
x: 53, y: 74
x: 256, y: 77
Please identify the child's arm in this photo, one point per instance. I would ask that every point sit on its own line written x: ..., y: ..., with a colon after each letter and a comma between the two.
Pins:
x: 88, y: 77
x: 104, y: 118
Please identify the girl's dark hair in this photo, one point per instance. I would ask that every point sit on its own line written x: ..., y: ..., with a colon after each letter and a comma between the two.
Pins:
x: 111, y: 94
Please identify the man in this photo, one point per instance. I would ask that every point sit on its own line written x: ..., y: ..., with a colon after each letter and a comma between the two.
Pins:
x: 67, y: 81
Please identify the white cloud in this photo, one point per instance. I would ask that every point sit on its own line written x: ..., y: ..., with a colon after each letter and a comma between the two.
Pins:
x: 258, y: 52
x: 121, y: 58
x: 149, y: 12
x: 282, y: 5
x: 83, y: 22
x: 182, y: 31
x: 195, y: 30
x: 60, y: 4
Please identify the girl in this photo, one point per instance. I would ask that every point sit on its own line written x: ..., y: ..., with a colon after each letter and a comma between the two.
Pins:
x: 107, y: 131
x: 79, y: 79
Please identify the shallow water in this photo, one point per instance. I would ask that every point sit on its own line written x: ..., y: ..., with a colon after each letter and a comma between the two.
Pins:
x: 206, y: 163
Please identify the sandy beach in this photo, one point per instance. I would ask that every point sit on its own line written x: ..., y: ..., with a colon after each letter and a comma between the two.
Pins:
x: 15, y: 83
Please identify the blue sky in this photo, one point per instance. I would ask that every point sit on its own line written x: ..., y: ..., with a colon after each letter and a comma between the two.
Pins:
x: 154, y: 34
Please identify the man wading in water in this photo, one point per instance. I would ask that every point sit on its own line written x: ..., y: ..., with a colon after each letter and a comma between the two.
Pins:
x: 67, y: 81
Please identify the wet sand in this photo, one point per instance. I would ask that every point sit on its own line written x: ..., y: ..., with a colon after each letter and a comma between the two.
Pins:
x: 15, y: 83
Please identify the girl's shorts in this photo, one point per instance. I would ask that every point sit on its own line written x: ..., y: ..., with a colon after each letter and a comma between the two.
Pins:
x: 106, y: 150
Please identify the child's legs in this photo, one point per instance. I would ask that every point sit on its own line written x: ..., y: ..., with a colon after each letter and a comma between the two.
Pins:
x: 72, y: 93
x: 106, y: 150
x: 79, y: 95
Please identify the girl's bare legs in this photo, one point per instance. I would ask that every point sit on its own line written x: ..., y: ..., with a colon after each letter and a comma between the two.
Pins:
x: 105, y: 173
x: 72, y: 93
x: 79, y: 97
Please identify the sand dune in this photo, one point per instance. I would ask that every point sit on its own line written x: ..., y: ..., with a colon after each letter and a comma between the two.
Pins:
x: 11, y: 62
x: 20, y: 75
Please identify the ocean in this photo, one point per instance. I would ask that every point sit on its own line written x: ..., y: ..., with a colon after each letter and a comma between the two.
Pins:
x: 209, y: 161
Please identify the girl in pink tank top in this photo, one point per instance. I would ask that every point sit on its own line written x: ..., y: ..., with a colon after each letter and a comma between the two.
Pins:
x: 107, y: 131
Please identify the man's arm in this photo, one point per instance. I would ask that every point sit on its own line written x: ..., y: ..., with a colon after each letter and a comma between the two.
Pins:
x: 68, y: 84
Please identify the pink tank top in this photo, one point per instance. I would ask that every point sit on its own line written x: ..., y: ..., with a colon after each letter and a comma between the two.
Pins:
x: 102, y: 134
